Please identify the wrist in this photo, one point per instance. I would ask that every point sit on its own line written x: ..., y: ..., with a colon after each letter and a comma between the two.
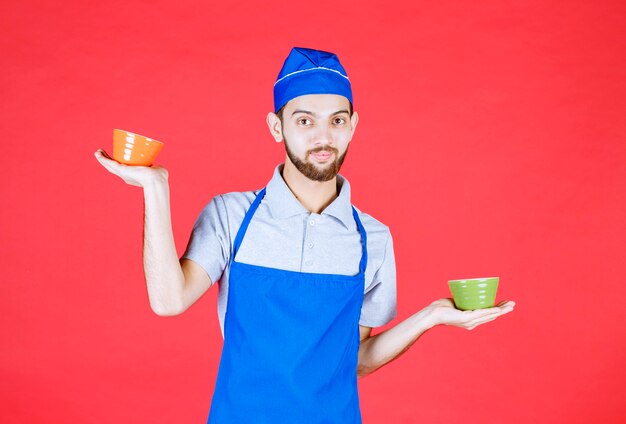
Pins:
x: 434, y: 315
x: 156, y: 182
x: 427, y: 317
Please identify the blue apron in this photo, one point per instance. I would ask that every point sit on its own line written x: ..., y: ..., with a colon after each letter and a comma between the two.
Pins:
x: 291, y: 342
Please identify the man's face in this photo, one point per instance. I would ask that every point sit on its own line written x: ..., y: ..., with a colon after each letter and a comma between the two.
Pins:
x: 316, y: 129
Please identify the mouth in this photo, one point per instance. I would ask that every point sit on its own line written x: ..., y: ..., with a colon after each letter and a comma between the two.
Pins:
x: 323, y: 155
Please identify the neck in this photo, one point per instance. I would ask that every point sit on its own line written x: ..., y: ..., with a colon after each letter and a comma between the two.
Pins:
x: 315, y: 196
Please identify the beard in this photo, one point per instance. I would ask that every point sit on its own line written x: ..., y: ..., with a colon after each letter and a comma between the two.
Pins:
x: 310, y: 170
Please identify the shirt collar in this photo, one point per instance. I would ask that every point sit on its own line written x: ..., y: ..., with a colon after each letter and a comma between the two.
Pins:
x: 283, y: 204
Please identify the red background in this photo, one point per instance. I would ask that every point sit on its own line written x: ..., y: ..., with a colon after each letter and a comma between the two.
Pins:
x: 491, y: 141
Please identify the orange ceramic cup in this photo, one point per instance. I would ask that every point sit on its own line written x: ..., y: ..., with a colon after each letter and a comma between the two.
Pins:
x: 134, y: 149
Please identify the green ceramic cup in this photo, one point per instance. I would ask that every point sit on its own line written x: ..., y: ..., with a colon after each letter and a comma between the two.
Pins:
x: 474, y: 293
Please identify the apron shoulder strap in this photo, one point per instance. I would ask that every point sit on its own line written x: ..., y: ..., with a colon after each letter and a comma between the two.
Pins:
x: 363, y: 263
x: 246, y: 221
x: 257, y: 201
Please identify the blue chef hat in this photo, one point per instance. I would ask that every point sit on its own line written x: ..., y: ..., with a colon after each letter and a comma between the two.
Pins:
x: 308, y: 71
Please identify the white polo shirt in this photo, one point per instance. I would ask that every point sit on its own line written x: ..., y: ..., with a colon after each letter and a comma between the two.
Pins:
x: 284, y: 235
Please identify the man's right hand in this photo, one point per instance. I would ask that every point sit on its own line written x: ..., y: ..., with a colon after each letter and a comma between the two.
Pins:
x: 172, y: 286
x: 140, y: 176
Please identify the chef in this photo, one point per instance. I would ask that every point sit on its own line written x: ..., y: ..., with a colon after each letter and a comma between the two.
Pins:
x: 303, y: 275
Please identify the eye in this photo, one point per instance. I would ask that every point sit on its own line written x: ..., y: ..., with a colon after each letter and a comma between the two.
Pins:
x: 304, y: 121
x: 339, y: 121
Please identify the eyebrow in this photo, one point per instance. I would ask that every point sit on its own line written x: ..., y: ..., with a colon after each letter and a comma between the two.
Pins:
x: 308, y: 112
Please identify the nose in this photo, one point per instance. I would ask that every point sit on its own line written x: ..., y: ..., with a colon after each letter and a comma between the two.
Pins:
x: 323, y: 136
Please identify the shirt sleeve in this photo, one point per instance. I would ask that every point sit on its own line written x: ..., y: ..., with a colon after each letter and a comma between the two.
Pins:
x: 379, y: 302
x: 209, y: 243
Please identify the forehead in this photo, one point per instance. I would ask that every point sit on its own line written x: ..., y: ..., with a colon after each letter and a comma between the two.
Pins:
x: 322, y: 104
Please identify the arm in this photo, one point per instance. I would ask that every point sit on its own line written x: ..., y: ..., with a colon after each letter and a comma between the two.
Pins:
x: 173, y: 285
x: 376, y: 351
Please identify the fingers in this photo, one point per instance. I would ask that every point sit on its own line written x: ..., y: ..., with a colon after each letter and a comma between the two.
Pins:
x: 102, y: 157
x: 111, y: 165
x: 482, y: 320
x: 503, y: 307
x: 506, y: 303
x: 103, y: 153
x: 490, y: 314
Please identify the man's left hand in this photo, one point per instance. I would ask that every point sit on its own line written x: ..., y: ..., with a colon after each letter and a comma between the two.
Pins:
x: 443, y: 311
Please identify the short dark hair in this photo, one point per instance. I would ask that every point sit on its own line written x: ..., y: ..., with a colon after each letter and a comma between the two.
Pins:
x: 280, y: 112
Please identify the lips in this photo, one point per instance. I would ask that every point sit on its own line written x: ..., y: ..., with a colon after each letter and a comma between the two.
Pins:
x: 322, y: 155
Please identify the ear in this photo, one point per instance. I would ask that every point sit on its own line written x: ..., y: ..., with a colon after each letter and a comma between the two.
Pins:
x: 275, y: 127
x: 354, y: 119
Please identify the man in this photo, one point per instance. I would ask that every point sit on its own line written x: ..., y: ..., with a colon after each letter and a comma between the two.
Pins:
x: 304, y: 276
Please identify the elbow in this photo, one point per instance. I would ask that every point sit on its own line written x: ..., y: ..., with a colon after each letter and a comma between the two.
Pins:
x: 362, y: 370
x: 165, y: 313
x: 165, y: 310
x: 365, y: 363
x: 364, y: 366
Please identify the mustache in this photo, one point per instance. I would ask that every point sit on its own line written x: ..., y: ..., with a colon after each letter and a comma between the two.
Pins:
x: 323, y: 149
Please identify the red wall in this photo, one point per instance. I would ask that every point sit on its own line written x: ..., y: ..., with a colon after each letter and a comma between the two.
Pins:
x: 491, y: 141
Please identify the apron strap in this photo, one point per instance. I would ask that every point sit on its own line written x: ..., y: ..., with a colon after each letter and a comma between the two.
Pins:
x: 363, y: 263
x: 246, y: 222
x: 257, y: 201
